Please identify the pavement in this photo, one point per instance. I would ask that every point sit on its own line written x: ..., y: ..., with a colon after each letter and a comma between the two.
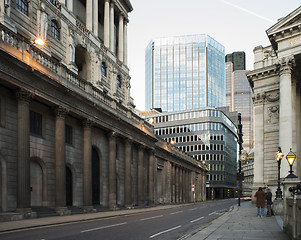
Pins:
x: 239, y: 223
x: 242, y: 223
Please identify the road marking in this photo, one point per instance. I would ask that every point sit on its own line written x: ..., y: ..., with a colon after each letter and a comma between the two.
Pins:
x: 192, y: 209
x: 176, y: 212
x: 94, y: 229
x: 196, y: 219
x: 143, y: 219
x: 212, y: 213
x: 168, y: 230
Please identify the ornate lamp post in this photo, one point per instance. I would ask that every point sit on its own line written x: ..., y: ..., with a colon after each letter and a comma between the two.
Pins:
x: 290, y: 157
x: 278, y: 158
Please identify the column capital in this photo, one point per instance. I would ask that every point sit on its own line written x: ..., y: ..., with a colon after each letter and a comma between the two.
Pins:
x: 23, y: 95
x: 61, y: 112
x: 87, y: 123
x: 286, y: 64
x: 258, y: 98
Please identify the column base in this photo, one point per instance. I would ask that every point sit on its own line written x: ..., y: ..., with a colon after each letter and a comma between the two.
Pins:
x: 26, y: 213
x: 89, y: 209
x: 62, y: 211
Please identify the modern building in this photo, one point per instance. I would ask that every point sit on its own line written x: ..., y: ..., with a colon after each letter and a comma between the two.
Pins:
x: 239, y: 97
x: 69, y: 135
x: 275, y: 82
x: 184, y: 73
x: 238, y: 60
x: 210, y: 137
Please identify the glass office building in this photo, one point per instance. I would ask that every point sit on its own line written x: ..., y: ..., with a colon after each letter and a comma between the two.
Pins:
x: 210, y: 136
x: 184, y: 73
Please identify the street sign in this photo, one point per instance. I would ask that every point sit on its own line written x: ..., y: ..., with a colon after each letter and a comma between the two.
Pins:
x: 192, y: 187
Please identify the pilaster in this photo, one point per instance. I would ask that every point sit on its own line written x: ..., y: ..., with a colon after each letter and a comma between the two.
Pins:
x: 112, y: 171
x: 120, y: 38
x: 151, y: 177
x: 87, y: 166
x: 60, y: 160
x: 112, y: 32
x: 24, y: 97
x: 127, y: 170
x: 140, y: 173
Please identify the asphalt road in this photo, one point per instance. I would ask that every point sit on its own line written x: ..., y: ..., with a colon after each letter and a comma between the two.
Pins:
x: 175, y: 223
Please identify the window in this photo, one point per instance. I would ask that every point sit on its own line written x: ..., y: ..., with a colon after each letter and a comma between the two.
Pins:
x: 22, y: 6
x: 118, y: 81
x: 35, y: 123
x: 68, y: 133
x: 54, y: 31
x: 103, y: 69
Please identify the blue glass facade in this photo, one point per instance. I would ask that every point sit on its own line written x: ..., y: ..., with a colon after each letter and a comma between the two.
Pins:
x: 184, y: 73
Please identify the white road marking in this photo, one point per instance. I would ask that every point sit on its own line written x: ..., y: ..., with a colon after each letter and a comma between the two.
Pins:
x: 192, y: 209
x: 196, y: 219
x: 176, y: 212
x: 212, y: 213
x: 143, y: 219
x: 168, y: 230
x: 94, y: 229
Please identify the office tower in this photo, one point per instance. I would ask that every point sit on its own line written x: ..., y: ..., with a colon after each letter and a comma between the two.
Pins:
x: 238, y: 60
x: 239, y: 98
x: 184, y: 73
x: 208, y: 135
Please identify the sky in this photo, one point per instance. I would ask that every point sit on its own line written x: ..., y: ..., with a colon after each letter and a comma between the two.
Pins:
x: 239, y: 25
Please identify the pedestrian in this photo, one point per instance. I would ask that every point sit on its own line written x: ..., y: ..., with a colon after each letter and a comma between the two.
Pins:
x: 268, y: 197
x: 260, y: 195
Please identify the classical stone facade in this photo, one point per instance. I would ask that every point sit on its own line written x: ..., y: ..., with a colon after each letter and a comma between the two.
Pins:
x: 69, y: 135
x: 275, y: 82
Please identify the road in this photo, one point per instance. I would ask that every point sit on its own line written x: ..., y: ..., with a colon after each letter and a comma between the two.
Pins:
x: 175, y: 223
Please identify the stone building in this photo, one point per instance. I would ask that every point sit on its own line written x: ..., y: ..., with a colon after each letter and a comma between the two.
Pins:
x: 69, y: 135
x: 275, y: 82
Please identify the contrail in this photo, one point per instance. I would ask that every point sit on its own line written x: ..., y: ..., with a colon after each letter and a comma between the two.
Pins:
x: 248, y: 11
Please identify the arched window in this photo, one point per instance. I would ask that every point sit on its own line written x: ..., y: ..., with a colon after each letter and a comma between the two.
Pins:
x: 55, y: 31
x: 118, y: 81
x: 22, y: 6
x: 103, y: 69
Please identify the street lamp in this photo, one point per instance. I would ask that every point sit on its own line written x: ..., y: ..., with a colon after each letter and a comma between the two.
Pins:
x: 290, y: 157
x: 278, y: 158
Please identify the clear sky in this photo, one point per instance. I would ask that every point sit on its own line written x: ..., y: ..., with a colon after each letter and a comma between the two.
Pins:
x: 239, y: 25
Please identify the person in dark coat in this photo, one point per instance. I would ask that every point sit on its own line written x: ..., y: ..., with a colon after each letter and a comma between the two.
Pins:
x: 268, y: 197
x: 260, y: 199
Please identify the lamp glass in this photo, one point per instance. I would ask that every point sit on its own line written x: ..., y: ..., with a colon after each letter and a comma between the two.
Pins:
x: 290, y: 157
x: 279, y: 156
x: 39, y: 41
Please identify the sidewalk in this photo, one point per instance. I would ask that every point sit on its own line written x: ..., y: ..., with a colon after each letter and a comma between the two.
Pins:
x: 242, y: 224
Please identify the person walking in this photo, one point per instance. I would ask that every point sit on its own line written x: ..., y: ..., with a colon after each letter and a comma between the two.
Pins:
x: 260, y: 199
x: 268, y: 197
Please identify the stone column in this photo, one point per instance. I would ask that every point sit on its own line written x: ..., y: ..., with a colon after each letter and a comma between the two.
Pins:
x: 120, y: 38
x: 112, y: 171
x: 180, y: 184
x: 60, y: 161
x: 127, y: 172
x: 89, y: 14
x: 173, y: 183
x: 95, y: 17
x: 184, y: 185
x: 287, y: 112
x: 112, y: 32
x: 140, y: 173
x: 106, y: 23
x: 125, y: 43
x: 177, y: 184
x: 23, y: 164
x: 258, y: 100
x: 70, y: 5
x: 151, y: 177
x: 87, y: 167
